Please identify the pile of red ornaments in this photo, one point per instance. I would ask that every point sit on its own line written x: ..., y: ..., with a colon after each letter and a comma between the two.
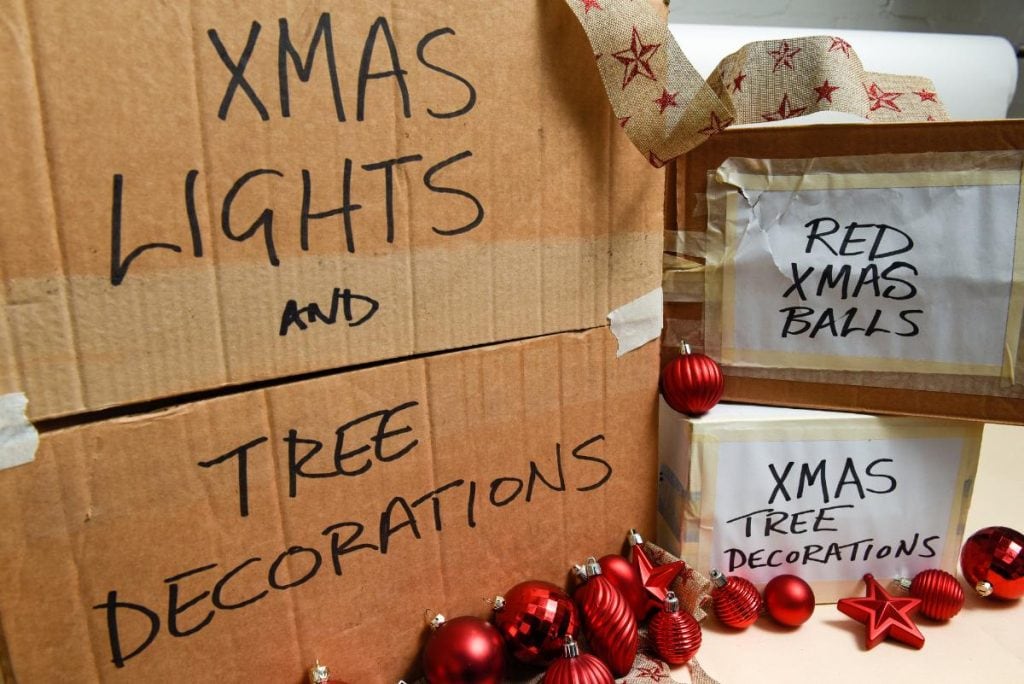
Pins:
x: 538, y: 624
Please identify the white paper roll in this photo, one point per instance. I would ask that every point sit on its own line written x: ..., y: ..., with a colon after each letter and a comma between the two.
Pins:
x: 975, y: 76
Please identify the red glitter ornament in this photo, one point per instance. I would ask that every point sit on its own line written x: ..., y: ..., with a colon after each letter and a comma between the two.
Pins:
x: 992, y: 561
x: 789, y: 600
x: 466, y: 650
x: 737, y: 602
x: 675, y: 633
x: 883, y: 615
x: 534, y: 618
x: 692, y: 383
x: 577, y: 668
x: 623, y: 575
x: 609, y: 622
x: 941, y: 595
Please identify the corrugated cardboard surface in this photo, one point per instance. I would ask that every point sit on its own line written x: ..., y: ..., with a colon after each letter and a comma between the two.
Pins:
x: 497, y: 197
x: 539, y: 453
x: 859, y: 391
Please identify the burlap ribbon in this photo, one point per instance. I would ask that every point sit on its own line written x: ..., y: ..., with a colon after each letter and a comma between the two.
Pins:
x: 666, y: 108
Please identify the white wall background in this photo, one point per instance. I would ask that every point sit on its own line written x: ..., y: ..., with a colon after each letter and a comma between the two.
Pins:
x: 988, y: 17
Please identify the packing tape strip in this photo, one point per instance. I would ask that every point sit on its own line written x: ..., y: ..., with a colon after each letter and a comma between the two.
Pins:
x: 666, y: 108
x: 18, y: 438
x: 638, y: 322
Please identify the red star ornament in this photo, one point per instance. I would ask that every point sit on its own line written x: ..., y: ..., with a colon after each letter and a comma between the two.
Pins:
x: 656, y: 578
x: 825, y: 91
x: 784, y: 56
x: 637, y: 59
x: 884, y: 615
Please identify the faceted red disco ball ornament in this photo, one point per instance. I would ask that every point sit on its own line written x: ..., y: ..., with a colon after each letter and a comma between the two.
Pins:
x: 992, y: 561
x: 534, y: 617
x: 692, y: 383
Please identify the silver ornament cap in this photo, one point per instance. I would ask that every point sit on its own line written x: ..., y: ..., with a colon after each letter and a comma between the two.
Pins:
x: 671, y: 602
x: 319, y: 674
x: 571, y: 649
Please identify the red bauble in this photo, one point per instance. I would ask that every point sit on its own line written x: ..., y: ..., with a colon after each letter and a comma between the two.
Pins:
x: 675, y: 633
x: 466, y: 650
x: 941, y: 595
x: 992, y: 561
x: 608, y: 620
x: 737, y: 602
x: 577, y: 668
x: 534, y: 618
x: 883, y: 615
x: 621, y: 573
x: 692, y: 383
x: 789, y: 600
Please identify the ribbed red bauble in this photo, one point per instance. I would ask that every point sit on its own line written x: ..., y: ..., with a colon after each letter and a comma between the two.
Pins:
x: 992, y: 561
x: 675, y: 633
x: 609, y: 622
x: 789, y: 600
x: 577, y: 668
x: 623, y: 575
x: 941, y: 595
x: 466, y: 650
x: 737, y: 602
x: 534, y: 617
x: 692, y: 383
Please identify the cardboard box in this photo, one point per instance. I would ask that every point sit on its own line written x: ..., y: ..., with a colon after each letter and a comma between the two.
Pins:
x: 872, y: 268
x: 205, y: 194
x: 762, y: 491
x: 366, y: 498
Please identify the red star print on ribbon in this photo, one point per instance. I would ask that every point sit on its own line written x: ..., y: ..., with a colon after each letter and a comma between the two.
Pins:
x: 880, y: 98
x: 737, y: 83
x: 716, y: 126
x: 825, y: 91
x: 637, y: 59
x: 666, y: 100
x: 785, y: 111
x: 783, y: 56
x: 591, y: 4
x: 926, y: 95
x: 840, y: 45
x: 884, y: 615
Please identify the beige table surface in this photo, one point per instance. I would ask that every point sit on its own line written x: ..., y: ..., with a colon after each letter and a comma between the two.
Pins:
x: 983, y: 643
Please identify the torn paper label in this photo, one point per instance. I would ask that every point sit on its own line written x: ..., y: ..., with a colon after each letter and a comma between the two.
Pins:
x: 638, y: 322
x: 18, y: 438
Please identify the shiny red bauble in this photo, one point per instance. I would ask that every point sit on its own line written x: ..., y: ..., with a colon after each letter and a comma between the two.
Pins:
x: 534, y: 618
x: 789, y: 600
x: 624, y: 576
x: 736, y: 601
x: 941, y: 595
x: 692, y: 383
x: 577, y: 668
x: 611, y: 628
x: 676, y: 635
x: 466, y: 650
x: 992, y: 561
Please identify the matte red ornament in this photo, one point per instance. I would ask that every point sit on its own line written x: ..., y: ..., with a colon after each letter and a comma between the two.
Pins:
x: 692, y: 383
x: 789, y: 600
x: 608, y: 620
x: 466, y: 650
x: 534, y: 618
x: 736, y: 601
x: 577, y: 668
x: 884, y: 615
x: 624, y: 576
x: 941, y: 595
x: 656, y: 579
x: 675, y: 633
x: 993, y: 562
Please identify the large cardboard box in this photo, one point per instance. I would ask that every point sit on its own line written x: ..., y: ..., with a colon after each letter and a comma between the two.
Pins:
x: 873, y: 268
x: 242, y: 537
x: 204, y: 194
x: 760, y: 491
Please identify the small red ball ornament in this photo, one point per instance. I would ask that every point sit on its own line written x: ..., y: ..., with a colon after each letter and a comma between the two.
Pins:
x: 737, y: 602
x: 534, y: 618
x: 789, y: 600
x: 675, y: 633
x: 577, y: 668
x: 692, y: 383
x: 992, y: 561
x: 609, y: 622
x: 466, y: 650
x: 621, y: 573
x: 941, y: 595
